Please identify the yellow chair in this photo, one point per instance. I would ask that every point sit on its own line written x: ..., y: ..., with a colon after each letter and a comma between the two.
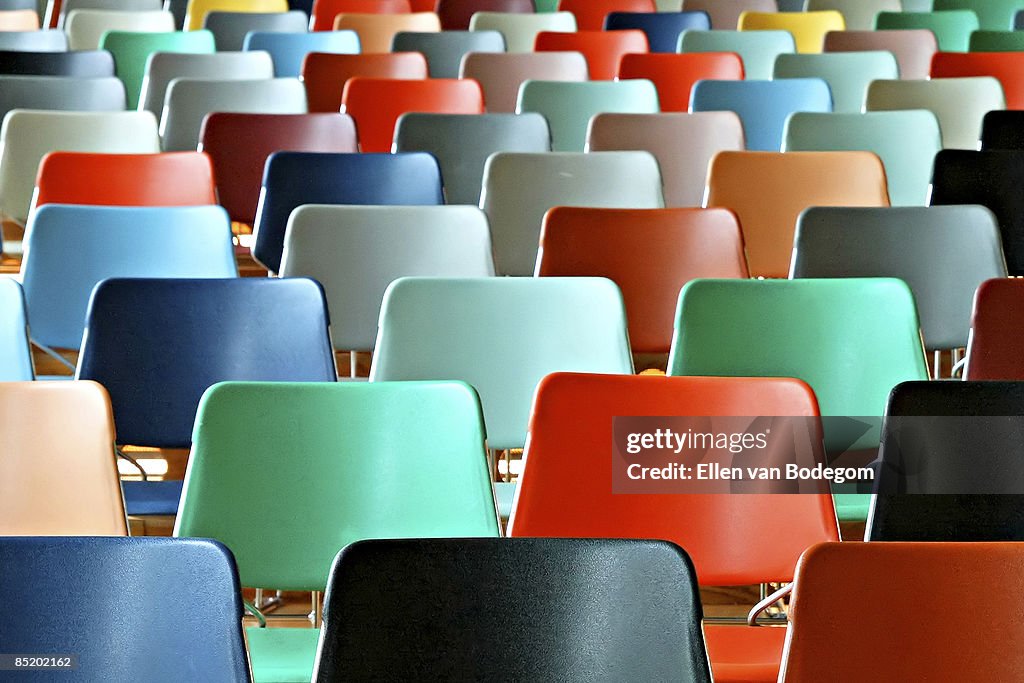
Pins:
x: 197, y: 10
x: 808, y: 28
x: 376, y: 31
x: 19, y: 20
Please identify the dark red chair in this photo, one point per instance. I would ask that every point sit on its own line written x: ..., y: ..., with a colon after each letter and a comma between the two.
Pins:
x: 455, y: 14
x: 995, y: 350
x: 325, y: 74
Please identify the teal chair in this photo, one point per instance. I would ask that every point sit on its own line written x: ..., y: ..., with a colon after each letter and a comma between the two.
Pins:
x: 15, y: 354
x: 313, y: 467
x: 952, y: 28
x: 757, y: 49
x: 131, y: 51
x: 569, y: 106
x: 852, y: 340
x: 997, y: 41
x: 993, y: 15
x: 905, y: 141
x: 848, y: 74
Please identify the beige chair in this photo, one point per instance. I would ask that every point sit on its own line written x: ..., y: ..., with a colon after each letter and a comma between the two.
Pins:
x: 19, y: 20
x: 725, y: 14
x: 376, y: 31
x: 85, y: 27
x: 859, y: 14
x: 913, y: 49
x: 58, y: 473
x: 500, y: 75
x: 520, y: 30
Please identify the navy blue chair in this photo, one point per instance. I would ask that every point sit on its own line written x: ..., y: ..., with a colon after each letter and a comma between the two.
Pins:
x: 128, y: 609
x: 81, y: 63
x: 291, y: 179
x: 662, y: 28
x: 158, y: 344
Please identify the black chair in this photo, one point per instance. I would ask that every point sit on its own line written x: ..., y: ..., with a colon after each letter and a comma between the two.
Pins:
x: 952, y: 464
x: 1003, y: 129
x: 81, y: 63
x: 583, y: 610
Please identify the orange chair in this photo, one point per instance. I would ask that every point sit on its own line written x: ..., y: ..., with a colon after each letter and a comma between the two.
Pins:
x: 674, y: 74
x: 590, y: 14
x: 1006, y: 67
x: 376, y: 31
x: 19, y: 20
x: 602, y: 49
x: 994, y: 349
x: 325, y: 74
x: 376, y: 104
x: 566, y: 490
x: 649, y: 253
x: 881, y: 612
x: 324, y: 11
x: 768, y: 190
x: 168, y: 179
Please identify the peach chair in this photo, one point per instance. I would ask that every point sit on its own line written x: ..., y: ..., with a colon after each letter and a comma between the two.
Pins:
x: 913, y: 48
x: 324, y: 74
x: 808, y: 28
x: 500, y: 75
x: 602, y: 49
x: 324, y: 11
x: 674, y: 74
x: 376, y: 31
x: 19, y: 20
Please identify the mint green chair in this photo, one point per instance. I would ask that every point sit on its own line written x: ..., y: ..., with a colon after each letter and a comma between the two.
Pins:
x: 952, y: 28
x: 905, y: 141
x: 997, y: 41
x: 848, y: 74
x: 546, y: 5
x: 993, y: 15
x: 132, y: 49
x: 288, y: 474
x: 852, y: 340
x: 757, y: 49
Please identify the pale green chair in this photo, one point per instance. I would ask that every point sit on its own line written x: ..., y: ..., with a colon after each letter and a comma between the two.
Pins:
x: 997, y: 41
x: 952, y: 28
x: 848, y: 74
x: 757, y: 49
x: 132, y: 49
x: 993, y: 15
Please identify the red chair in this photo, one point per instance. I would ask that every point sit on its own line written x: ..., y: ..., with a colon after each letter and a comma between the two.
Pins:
x: 566, y: 490
x: 995, y: 349
x: 590, y: 14
x: 239, y: 145
x: 602, y: 49
x: 423, y: 5
x: 455, y: 14
x: 1006, y: 67
x: 325, y: 74
x: 324, y: 11
x: 649, y: 253
x: 376, y: 104
x: 674, y: 74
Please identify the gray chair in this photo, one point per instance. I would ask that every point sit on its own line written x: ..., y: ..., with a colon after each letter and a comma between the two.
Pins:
x: 34, y: 41
x: 942, y: 252
x: 163, y: 67
x: 61, y: 93
x: 444, y: 51
x: 229, y: 28
x: 288, y: 50
x: 115, y: 5
x: 9, y: 5
x: 463, y: 142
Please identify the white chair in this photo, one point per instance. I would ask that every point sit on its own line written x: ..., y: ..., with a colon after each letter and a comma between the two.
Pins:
x: 85, y: 27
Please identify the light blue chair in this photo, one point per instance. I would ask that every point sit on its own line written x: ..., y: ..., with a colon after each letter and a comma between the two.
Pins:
x: 757, y: 49
x: 15, y: 354
x: 848, y: 74
x: 763, y: 106
x: 289, y: 49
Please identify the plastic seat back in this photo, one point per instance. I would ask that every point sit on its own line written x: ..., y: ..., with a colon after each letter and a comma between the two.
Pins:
x: 68, y: 6
x: 808, y: 28
x: 82, y: 64
x: 520, y: 30
x: 131, y: 51
x: 1002, y: 130
x: 15, y: 353
x: 324, y: 11
x: 230, y: 28
x: 501, y: 75
x: 19, y: 20
x: 858, y: 15
x: 913, y: 49
x: 38, y: 41
x: 952, y: 28
x: 85, y: 27
x: 162, y: 68
x: 725, y: 14
x: 1006, y: 67
x: 324, y: 74
x: 445, y: 50
x: 591, y: 14
x: 757, y: 49
x: 602, y: 49
x: 996, y: 41
x: 377, y: 31
x: 456, y: 15
x: 993, y: 351
x: 288, y: 50
x: 993, y: 15
x: 674, y: 74
x: 197, y: 10
x: 848, y: 74
x: 661, y: 28
x: 61, y: 93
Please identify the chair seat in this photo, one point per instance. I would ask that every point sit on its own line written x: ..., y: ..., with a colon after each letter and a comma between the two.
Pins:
x: 282, y: 655
x: 151, y: 497
x: 744, y: 654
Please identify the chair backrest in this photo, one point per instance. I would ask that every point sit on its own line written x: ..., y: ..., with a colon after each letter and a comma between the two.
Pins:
x: 19, y: 20
x: 85, y: 27
x: 661, y: 28
x: 757, y: 49
x: 881, y: 587
x: 158, y: 344
x: 808, y: 28
x: 324, y: 74
x: 993, y: 352
x: 162, y: 68
x: 61, y: 93
x: 59, y: 476
x: 591, y: 14
x: 993, y: 15
x: 501, y: 75
x: 37, y: 41
x: 996, y: 41
x: 355, y: 252
x: 323, y: 11
x: 602, y: 49
x: 848, y: 74
x: 68, y: 6
x: 184, y: 602
x: 858, y: 15
x: 456, y: 15
x: 1006, y: 67
x: 463, y: 142
x: 913, y: 49
x: 27, y: 136
x: 445, y: 50
x: 15, y: 353
x: 725, y: 14
x: 238, y: 146
x: 82, y: 64
x: 674, y: 74
x: 1002, y: 130
x: 502, y: 336
x: 230, y: 28
x: 131, y: 51
x: 519, y: 189
x: 906, y: 243
x: 288, y: 50
x: 377, y: 31
x: 649, y: 253
x: 353, y: 483
x: 197, y: 10
x: 520, y: 30
x: 411, y: 178
x: 952, y: 28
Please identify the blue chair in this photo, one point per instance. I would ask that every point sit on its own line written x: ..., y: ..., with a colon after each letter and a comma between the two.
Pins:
x: 291, y: 179
x: 15, y: 354
x: 763, y: 106
x: 289, y: 49
x: 158, y: 344
x: 662, y: 28
x: 70, y: 249
x: 34, y: 41
x: 127, y: 609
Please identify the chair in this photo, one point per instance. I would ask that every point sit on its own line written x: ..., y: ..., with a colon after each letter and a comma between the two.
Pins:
x: 520, y: 188
x: 185, y: 606
x: 162, y: 68
x: 996, y: 41
x: 197, y: 10
x: 15, y: 353
x: 763, y: 106
x: 33, y: 41
x: 189, y: 100
x: 913, y: 49
x: 444, y: 51
x: 376, y: 31
x: 19, y: 20
x: 68, y: 6
x: 70, y: 249
x: 408, y: 179
x: 322, y: 12
x: 27, y: 136
x: 131, y: 51
x: 288, y: 50
x: 569, y: 106
x: 858, y: 15
x: 725, y: 14
x: 959, y: 104
x: 351, y: 484
x: 602, y: 49
x: 58, y: 476
x: 768, y: 190
x: 230, y: 28
x: 907, y: 243
x: 591, y: 14
x: 238, y: 146
x: 883, y: 589
x: 662, y: 28
x: 81, y: 64
x: 85, y: 27
x: 520, y: 30
x: 456, y: 15
x: 1002, y: 130
x: 1004, y: 66
x: 848, y: 74
x: 993, y: 352
x: 325, y: 75
x: 674, y: 74
x: 649, y: 253
x: 808, y: 28
x: 952, y: 28
x: 463, y: 142
x: 905, y: 141
x: 61, y: 93
x: 355, y: 252
x: 993, y: 15
x: 757, y: 49
x: 683, y: 144
x: 501, y: 75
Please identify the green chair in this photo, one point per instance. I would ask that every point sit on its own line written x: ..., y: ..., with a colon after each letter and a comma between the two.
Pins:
x: 952, y: 28
x: 905, y: 141
x: 757, y: 49
x: 132, y: 49
x: 993, y: 15
x: 997, y: 41
x: 848, y: 74
x: 287, y: 474
x: 546, y: 5
x: 852, y: 340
